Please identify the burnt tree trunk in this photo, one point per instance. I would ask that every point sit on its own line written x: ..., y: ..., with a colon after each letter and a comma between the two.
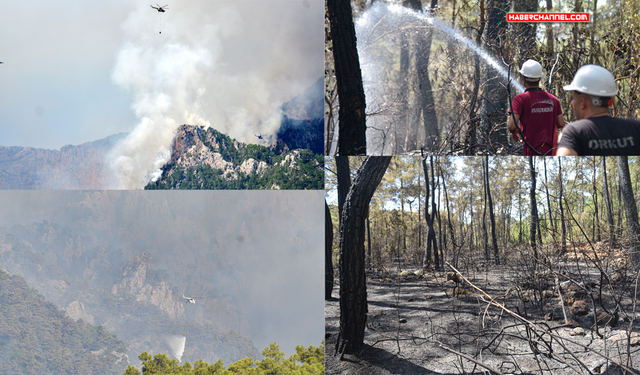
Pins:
x: 494, y: 103
x: 607, y: 201
x: 563, y: 228
x: 353, y: 288
x: 431, y: 234
x: 344, y: 183
x: 411, y: 127
x: 471, y: 137
x: 546, y: 188
x: 494, y: 238
x: 328, y: 263
x: 351, y: 115
x: 368, y: 241
x: 427, y: 103
x: 525, y: 31
x: 434, y: 213
x: 596, y: 219
x: 630, y: 209
x: 485, y: 236
x: 534, y: 209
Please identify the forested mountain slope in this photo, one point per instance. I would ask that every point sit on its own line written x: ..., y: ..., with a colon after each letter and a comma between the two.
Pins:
x: 203, y: 158
x: 37, y: 338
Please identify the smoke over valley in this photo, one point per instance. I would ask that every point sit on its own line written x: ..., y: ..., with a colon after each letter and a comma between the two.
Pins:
x: 124, y: 260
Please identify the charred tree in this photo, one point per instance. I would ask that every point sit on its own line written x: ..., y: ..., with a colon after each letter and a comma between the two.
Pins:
x: 344, y: 183
x: 427, y: 103
x: 351, y: 115
x: 431, y: 234
x: 485, y: 236
x: 546, y: 187
x: 411, y: 128
x: 596, y: 219
x: 446, y: 199
x: 534, y: 208
x: 630, y: 209
x: 607, y: 201
x: 471, y: 137
x: 353, y: 288
x: 328, y: 262
x: 526, y: 31
x: 563, y: 228
x: 494, y: 238
x: 494, y: 103
x: 434, y: 214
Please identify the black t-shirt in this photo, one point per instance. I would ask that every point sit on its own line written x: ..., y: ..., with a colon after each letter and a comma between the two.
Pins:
x: 602, y: 136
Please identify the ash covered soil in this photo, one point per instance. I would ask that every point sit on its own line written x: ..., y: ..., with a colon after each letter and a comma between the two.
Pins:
x: 416, y: 321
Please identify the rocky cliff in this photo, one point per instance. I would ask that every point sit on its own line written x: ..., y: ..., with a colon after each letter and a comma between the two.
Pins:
x: 203, y: 158
x: 135, y: 281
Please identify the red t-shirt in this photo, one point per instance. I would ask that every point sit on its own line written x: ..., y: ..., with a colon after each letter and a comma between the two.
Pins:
x: 538, y: 112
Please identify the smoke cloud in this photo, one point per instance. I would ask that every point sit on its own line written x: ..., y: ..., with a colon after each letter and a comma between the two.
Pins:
x: 228, y: 65
x: 176, y: 345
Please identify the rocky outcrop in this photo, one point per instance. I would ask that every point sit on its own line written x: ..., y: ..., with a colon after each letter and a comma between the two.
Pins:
x: 158, y: 293
x: 251, y: 165
x: 76, y: 311
x: 194, y: 145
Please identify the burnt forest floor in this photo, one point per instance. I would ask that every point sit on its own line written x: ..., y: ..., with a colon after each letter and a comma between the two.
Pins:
x: 416, y: 322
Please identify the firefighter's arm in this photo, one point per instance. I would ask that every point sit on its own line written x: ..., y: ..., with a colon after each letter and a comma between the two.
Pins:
x: 512, y: 126
x: 565, y: 151
x: 560, y: 122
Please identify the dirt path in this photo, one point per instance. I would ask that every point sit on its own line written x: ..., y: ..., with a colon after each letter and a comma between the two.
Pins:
x: 412, y: 319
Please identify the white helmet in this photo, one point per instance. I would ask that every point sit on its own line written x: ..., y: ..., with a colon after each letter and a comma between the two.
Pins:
x: 593, y: 80
x: 531, y: 69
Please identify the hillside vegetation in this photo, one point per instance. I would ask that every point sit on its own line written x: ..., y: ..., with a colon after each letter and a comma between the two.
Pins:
x: 37, y: 338
x: 204, y: 158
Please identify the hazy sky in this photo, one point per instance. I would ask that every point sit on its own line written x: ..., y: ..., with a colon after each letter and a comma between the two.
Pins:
x: 80, y: 70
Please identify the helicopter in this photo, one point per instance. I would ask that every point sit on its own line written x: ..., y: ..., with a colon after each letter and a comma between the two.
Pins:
x: 260, y: 136
x: 191, y: 300
x: 160, y: 9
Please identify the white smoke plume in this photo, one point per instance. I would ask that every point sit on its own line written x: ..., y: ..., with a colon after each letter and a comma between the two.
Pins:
x: 176, y: 345
x: 224, y: 64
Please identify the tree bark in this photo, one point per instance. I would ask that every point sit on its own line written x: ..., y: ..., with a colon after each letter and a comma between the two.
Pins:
x: 494, y: 103
x: 344, y: 183
x: 431, y: 234
x: 427, y: 103
x: 526, y: 31
x: 546, y: 187
x: 534, y: 209
x: 351, y: 115
x: 353, y: 289
x: 596, y: 220
x: 607, y: 201
x: 563, y: 245
x: 434, y: 214
x: 328, y: 262
x: 494, y: 239
x: 485, y: 236
x: 630, y: 209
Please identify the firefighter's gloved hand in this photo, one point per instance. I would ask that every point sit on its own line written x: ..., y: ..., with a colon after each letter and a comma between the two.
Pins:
x: 515, y: 136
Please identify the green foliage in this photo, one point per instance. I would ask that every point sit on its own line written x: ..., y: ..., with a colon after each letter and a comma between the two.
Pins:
x: 306, y: 361
x: 37, y: 338
x: 296, y: 170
